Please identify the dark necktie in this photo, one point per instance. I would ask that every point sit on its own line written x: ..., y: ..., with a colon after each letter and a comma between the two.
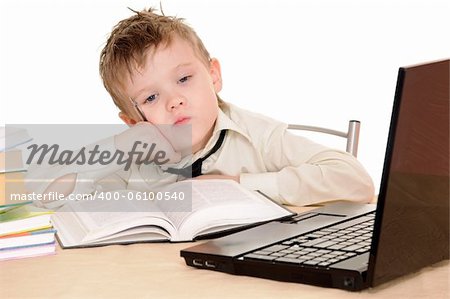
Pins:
x: 195, y: 169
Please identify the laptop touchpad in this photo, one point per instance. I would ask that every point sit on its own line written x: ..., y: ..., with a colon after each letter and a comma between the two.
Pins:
x: 260, y: 236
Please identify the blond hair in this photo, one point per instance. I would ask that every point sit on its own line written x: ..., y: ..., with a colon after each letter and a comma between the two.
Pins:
x: 126, y: 48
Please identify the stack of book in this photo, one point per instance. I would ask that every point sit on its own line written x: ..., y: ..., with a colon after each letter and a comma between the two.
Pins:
x: 12, y: 177
x: 25, y: 230
x: 12, y: 169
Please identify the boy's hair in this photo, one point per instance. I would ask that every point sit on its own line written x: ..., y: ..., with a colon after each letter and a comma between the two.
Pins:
x: 125, y: 49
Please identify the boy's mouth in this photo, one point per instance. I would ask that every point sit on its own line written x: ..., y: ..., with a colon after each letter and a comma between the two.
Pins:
x: 182, y: 120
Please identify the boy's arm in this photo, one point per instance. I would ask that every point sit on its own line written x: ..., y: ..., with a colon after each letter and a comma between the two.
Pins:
x: 44, y: 178
x: 301, y: 172
x: 85, y: 178
x: 63, y: 185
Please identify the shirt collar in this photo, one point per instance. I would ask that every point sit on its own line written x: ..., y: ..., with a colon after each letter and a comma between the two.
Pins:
x: 224, y: 122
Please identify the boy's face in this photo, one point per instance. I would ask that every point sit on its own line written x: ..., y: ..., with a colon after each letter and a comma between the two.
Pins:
x: 176, y: 88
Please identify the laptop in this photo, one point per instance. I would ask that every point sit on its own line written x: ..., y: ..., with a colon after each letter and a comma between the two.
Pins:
x: 355, y: 246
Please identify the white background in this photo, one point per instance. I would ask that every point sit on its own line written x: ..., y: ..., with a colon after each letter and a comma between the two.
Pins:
x: 317, y: 62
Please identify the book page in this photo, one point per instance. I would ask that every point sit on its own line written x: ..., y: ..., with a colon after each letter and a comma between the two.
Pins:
x: 100, y: 220
x: 222, y: 203
x: 98, y: 212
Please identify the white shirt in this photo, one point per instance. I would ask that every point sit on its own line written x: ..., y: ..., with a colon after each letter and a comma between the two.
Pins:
x: 288, y: 168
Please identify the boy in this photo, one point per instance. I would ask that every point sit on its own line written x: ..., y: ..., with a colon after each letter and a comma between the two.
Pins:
x: 163, y: 80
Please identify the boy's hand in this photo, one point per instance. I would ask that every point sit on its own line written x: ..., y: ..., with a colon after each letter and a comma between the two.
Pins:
x: 147, y: 138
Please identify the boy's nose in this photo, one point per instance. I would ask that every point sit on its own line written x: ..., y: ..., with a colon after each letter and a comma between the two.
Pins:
x: 176, y: 103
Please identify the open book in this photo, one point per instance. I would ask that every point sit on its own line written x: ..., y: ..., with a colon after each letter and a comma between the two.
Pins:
x: 206, y: 208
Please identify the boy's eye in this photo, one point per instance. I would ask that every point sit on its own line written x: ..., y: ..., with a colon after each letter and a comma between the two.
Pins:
x: 184, y: 79
x: 150, y: 98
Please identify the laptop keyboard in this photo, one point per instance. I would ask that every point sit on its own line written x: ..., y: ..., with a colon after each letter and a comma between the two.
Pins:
x: 323, y: 247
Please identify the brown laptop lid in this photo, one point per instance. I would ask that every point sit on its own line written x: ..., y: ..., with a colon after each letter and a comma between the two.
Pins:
x: 414, y: 222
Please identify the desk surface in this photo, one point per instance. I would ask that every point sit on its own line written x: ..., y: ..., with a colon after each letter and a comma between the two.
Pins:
x: 157, y: 271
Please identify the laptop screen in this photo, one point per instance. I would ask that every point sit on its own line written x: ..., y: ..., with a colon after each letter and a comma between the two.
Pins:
x: 413, y: 208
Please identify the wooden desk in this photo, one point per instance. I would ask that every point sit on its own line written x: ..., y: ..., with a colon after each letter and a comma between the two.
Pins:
x: 158, y: 271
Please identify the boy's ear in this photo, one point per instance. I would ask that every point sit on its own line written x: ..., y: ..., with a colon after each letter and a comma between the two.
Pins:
x: 126, y: 119
x: 216, y: 74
